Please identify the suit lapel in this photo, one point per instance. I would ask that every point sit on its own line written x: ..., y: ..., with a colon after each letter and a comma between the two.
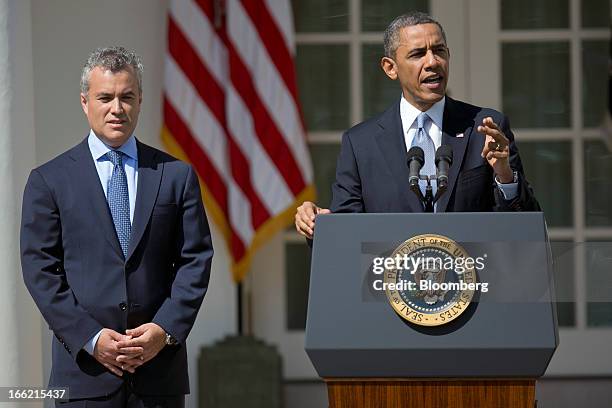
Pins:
x: 88, y: 182
x: 454, y: 124
x: 391, y: 142
x: 149, y: 178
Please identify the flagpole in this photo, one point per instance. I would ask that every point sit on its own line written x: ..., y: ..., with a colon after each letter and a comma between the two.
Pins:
x: 239, y: 308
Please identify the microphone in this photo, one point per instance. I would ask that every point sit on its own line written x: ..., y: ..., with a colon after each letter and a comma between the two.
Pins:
x: 444, y: 159
x: 416, y: 159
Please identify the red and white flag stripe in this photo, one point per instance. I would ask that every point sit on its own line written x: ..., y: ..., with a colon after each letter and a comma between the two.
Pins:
x: 231, y: 109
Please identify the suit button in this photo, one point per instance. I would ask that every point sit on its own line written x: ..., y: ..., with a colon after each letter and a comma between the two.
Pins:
x: 128, y: 266
x: 123, y: 306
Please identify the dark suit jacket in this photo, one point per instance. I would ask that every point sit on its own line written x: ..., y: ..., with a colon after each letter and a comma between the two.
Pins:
x: 372, y: 173
x: 75, y: 271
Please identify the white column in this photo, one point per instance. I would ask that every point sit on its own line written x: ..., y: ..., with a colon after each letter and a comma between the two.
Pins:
x: 20, y: 327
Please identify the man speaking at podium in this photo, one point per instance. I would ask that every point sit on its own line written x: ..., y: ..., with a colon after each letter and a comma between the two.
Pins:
x: 372, y: 174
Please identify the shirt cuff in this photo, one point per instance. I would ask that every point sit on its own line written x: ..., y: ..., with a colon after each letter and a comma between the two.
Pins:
x: 91, y: 344
x: 509, y: 190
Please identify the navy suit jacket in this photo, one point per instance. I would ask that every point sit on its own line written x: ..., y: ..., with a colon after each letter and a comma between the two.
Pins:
x: 75, y: 270
x: 372, y: 171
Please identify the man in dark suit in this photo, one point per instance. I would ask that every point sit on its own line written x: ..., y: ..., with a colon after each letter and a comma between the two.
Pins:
x: 116, y: 251
x: 372, y: 172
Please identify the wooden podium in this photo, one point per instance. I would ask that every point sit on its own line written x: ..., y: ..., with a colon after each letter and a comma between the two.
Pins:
x: 489, y: 356
x: 430, y: 393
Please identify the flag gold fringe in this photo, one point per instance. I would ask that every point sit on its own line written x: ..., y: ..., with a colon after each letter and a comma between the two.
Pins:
x: 240, y: 267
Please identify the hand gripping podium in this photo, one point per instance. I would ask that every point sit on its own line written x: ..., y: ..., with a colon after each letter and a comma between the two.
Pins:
x: 487, y: 353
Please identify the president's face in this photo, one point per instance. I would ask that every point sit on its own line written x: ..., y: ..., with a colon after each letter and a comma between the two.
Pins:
x: 420, y: 64
x: 112, y: 104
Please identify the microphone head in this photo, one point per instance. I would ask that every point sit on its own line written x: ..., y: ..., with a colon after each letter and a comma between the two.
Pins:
x: 444, y: 152
x: 416, y: 153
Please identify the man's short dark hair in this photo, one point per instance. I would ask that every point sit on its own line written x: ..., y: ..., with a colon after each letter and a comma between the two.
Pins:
x: 392, y: 32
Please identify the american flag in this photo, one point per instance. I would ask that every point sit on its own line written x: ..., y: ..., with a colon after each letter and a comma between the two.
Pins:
x: 230, y: 108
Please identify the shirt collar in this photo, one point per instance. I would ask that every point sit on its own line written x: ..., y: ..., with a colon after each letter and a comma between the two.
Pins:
x: 98, y: 148
x: 409, y: 113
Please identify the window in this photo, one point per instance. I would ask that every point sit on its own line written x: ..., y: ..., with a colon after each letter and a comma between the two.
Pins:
x: 554, y: 74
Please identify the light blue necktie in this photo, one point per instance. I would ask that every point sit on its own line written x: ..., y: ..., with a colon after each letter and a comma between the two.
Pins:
x: 118, y: 199
x: 423, y: 140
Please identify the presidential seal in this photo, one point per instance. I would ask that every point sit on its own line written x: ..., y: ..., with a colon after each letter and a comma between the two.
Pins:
x: 430, y: 284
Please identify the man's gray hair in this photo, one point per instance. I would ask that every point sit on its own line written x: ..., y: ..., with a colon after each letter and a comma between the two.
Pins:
x: 392, y: 33
x: 114, y: 59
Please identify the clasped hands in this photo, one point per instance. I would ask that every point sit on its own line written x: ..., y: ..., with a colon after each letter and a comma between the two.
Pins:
x: 126, y: 352
x: 496, y: 151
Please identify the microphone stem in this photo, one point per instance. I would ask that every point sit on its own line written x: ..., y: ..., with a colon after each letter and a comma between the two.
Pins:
x: 429, y: 201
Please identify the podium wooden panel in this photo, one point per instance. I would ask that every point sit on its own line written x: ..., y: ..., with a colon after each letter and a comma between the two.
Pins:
x: 434, y: 393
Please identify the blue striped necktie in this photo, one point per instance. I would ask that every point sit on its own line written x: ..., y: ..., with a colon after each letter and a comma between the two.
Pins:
x: 118, y: 199
x: 423, y: 140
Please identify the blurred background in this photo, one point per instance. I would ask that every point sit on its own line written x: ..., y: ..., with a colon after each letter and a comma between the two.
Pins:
x: 544, y: 63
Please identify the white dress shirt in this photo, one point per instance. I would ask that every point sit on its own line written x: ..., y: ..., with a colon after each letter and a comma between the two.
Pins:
x: 433, y: 127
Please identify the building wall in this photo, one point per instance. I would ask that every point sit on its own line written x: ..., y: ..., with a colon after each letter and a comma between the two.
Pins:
x: 63, y: 34
x: 20, y: 357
